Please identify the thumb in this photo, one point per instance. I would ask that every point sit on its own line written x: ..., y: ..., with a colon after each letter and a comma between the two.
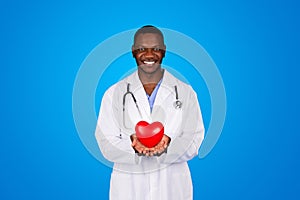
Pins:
x: 133, y: 142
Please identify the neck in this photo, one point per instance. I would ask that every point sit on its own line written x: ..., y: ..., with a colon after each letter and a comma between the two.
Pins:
x: 152, y: 78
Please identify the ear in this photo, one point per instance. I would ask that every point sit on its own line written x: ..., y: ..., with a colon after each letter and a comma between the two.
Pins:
x: 132, y: 51
x: 165, y: 48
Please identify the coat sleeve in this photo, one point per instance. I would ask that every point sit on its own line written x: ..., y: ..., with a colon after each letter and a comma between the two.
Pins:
x: 186, y: 144
x: 114, y: 145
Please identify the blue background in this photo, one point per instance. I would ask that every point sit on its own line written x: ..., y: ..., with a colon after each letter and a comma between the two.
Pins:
x: 255, y: 45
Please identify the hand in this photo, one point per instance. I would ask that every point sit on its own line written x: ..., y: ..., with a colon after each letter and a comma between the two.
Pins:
x: 138, y: 146
x: 161, y: 147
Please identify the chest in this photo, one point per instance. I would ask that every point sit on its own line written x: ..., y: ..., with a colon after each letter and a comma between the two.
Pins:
x: 164, y: 110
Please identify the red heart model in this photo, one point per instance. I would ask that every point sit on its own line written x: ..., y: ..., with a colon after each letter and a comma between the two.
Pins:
x: 149, y: 134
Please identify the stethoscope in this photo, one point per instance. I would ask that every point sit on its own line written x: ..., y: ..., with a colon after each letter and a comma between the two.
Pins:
x: 177, y: 104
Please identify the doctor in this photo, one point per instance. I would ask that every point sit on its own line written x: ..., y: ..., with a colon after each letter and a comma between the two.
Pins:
x: 150, y: 94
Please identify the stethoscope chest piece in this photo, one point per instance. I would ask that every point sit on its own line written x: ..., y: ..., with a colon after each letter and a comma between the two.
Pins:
x: 177, y: 104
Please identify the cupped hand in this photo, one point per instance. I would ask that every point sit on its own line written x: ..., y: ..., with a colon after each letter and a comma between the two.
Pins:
x: 160, y: 147
x: 154, y: 151
x: 138, y: 146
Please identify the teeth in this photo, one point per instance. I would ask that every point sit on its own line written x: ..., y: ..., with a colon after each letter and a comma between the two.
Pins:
x: 149, y: 62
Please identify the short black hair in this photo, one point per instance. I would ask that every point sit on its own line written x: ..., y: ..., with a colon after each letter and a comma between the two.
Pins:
x: 148, y: 29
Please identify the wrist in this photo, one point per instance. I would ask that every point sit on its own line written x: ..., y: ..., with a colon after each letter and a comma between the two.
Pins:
x: 132, y: 137
x: 168, y: 140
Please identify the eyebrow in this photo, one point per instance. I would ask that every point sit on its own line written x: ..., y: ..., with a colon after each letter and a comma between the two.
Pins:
x: 143, y: 46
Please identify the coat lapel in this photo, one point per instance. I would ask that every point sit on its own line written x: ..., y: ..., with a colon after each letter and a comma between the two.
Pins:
x: 136, y: 87
x: 166, y: 89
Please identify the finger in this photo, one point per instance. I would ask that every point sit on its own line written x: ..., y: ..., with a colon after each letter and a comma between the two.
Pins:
x: 165, y: 144
x: 161, y: 149
x: 161, y: 145
x: 145, y: 151
x: 155, y: 151
x: 140, y: 150
x: 133, y: 143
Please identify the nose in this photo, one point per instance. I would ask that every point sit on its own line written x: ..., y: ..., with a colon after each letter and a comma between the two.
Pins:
x: 149, y: 53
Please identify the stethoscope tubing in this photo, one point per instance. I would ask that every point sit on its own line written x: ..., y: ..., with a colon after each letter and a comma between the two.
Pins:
x: 177, y: 104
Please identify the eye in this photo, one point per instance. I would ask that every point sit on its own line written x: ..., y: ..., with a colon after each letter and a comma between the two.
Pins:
x: 141, y: 49
x: 156, y: 49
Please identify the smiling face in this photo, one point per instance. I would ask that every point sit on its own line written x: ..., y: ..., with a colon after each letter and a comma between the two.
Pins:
x: 149, y: 51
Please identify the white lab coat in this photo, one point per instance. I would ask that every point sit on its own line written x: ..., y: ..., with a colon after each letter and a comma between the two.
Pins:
x: 134, y: 177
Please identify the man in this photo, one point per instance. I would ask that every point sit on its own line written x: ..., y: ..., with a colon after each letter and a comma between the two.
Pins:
x: 150, y: 94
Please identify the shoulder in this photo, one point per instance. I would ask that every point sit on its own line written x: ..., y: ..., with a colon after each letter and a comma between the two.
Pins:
x: 180, y: 84
x: 118, y: 86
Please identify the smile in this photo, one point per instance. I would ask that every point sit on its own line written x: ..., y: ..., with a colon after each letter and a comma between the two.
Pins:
x: 149, y: 62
